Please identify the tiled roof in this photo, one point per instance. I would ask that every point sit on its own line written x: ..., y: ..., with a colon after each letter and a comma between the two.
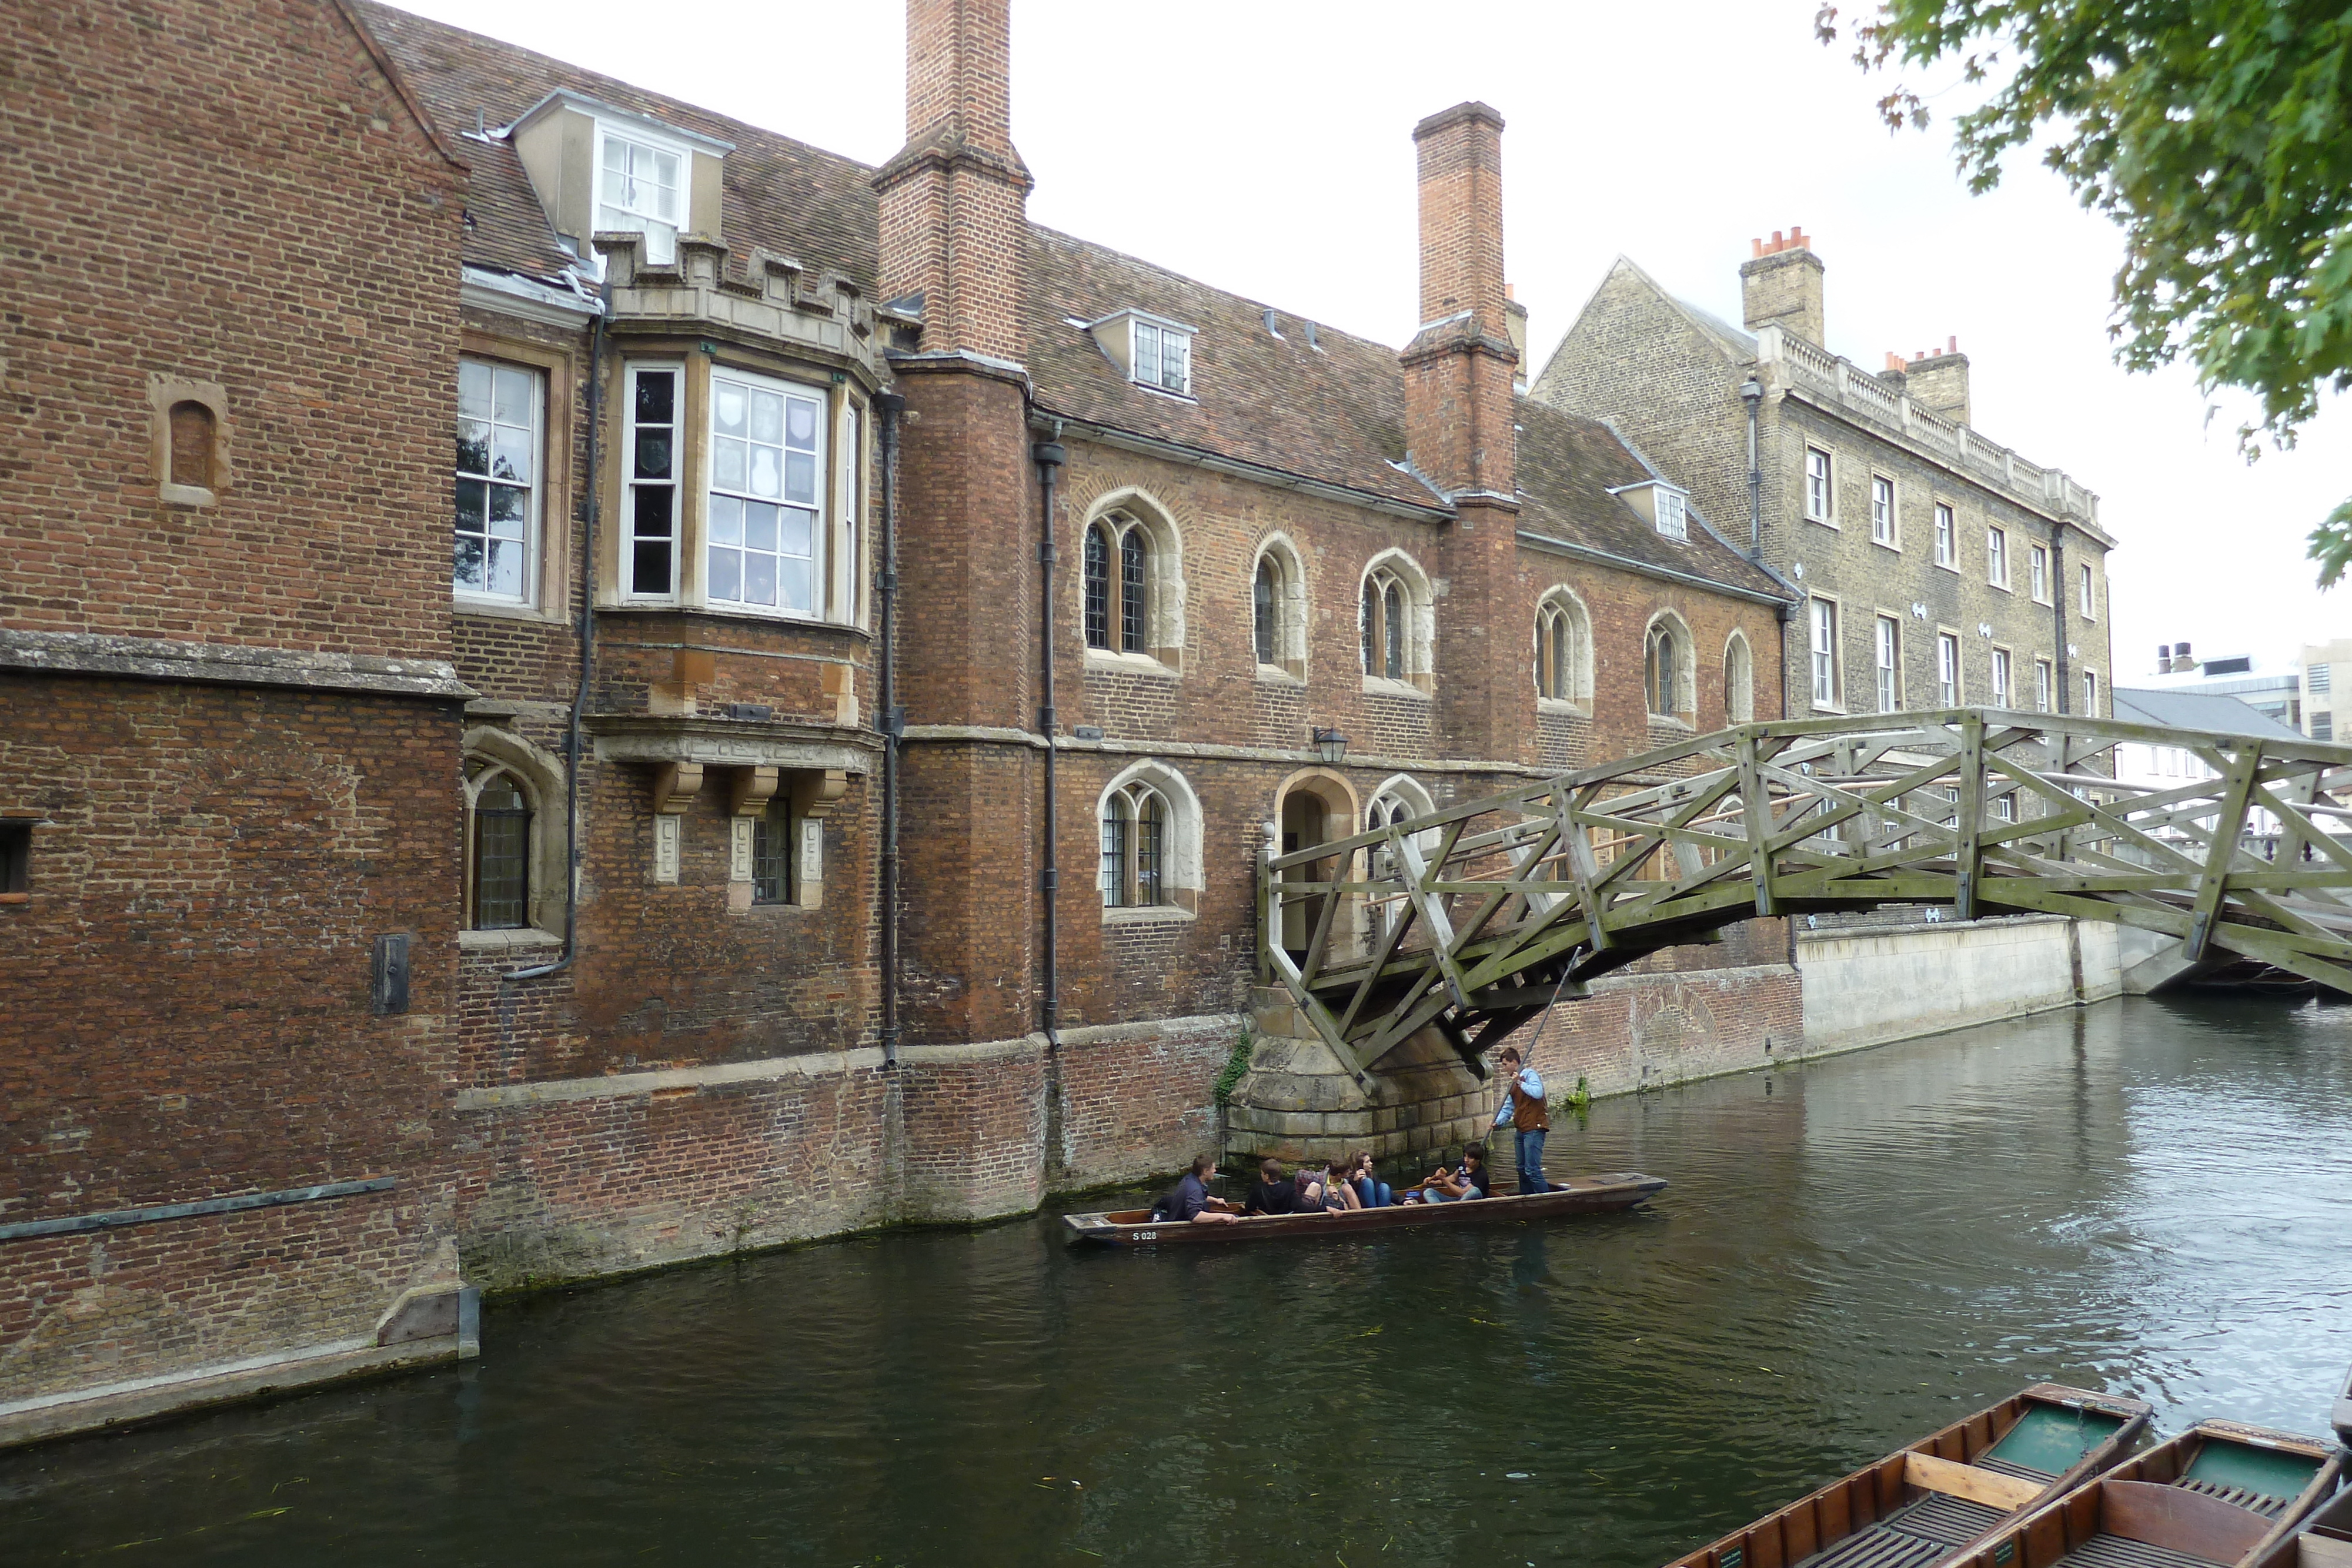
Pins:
x: 1332, y: 412
x: 1567, y: 466
x: 778, y: 194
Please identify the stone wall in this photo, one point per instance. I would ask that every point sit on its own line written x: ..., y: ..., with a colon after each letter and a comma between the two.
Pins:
x: 1869, y: 985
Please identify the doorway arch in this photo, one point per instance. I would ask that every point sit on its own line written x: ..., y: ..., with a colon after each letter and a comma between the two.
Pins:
x: 1316, y: 806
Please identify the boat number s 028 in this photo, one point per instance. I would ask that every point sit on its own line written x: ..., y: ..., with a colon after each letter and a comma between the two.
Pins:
x: 1147, y: 1235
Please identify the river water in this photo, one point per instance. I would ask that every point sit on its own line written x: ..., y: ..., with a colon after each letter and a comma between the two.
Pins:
x: 2153, y: 1197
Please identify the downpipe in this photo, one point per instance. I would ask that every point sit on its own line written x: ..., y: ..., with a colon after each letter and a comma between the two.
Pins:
x: 893, y: 723
x: 1049, y: 456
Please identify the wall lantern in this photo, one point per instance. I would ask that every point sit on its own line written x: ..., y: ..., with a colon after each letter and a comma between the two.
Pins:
x: 1331, y: 746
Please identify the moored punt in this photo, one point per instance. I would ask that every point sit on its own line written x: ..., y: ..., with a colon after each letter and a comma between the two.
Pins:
x: 1928, y: 1504
x: 2220, y: 1495
x: 1585, y: 1194
x: 2323, y: 1541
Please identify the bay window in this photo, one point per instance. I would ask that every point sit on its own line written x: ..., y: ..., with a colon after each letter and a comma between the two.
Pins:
x: 767, y: 460
x: 649, y: 456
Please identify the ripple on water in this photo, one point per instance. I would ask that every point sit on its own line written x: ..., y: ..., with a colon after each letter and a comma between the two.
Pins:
x: 2149, y: 1197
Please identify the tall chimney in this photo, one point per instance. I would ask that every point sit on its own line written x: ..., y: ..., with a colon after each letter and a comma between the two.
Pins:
x: 1459, y: 365
x: 1939, y: 381
x: 954, y: 223
x: 1780, y: 286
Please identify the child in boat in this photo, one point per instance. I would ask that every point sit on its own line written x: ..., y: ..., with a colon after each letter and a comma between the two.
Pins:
x: 1466, y: 1181
x: 1371, y: 1191
x: 1274, y: 1193
x: 1338, y: 1195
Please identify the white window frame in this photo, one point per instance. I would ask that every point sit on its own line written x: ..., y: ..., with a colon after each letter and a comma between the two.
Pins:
x: 1822, y: 638
x: 1820, y: 486
x: 1161, y: 337
x: 2045, y: 685
x: 1997, y: 557
x: 1674, y: 513
x: 1947, y: 536
x: 2090, y: 693
x: 712, y: 494
x: 2089, y: 602
x: 1881, y: 512
x: 2003, y: 667
x: 659, y: 250
x: 2038, y: 571
x: 1949, y: 689
x: 1886, y: 655
x: 630, y: 484
x: 533, y: 488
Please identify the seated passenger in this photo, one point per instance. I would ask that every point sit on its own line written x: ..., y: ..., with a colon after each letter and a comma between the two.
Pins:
x: 1466, y: 1181
x: 1190, y: 1203
x: 1371, y: 1191
x: 1339, y: 1196
x: 1274, y: 1193
x: 1309, y: 1181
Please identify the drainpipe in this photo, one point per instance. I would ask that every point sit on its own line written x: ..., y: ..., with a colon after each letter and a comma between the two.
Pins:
x: 587, y: 652
x: 1049, y: 456
x: 1751, y: 393
x: 893, y: 726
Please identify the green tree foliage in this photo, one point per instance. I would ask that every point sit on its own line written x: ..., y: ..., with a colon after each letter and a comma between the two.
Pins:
x: 2216, y: 132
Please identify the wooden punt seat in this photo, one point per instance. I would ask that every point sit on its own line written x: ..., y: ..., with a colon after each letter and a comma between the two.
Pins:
x: 2115, y: 1552
x: 1918, y: 1533
x: 2247, y: 1498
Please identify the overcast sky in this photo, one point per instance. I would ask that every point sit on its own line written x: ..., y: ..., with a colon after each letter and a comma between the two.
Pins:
x: 1266, y: 148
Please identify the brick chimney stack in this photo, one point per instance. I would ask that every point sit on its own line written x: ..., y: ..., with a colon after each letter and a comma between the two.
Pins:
x: 1459, y: 366
x: 954, y: 201
x: 1780, y: 286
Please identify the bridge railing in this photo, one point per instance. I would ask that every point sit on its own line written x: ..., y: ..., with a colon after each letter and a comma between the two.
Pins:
x: 1473, y: 918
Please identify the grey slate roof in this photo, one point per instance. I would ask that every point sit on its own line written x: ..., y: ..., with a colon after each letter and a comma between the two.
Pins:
x: 2207, y: 711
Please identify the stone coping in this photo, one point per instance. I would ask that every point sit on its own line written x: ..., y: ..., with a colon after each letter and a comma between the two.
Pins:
x: 162, y: 659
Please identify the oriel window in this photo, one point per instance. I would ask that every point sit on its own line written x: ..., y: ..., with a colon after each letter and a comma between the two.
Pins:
x: 649, y: 550
x: 767, y: 468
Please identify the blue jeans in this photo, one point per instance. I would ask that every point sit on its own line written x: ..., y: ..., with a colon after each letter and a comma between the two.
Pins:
x: 1437, y: 1194
x: 1375, y: 1194
x: 1531, y: 1176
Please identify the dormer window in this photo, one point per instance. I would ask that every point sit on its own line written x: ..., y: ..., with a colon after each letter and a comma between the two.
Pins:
x: 1661, y: 505
x: 1163, y: 357
x: 640, y: 188
x: 1674, y: 519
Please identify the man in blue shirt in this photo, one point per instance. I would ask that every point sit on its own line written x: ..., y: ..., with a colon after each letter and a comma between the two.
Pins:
x: 1523, y: 1108
x: 1190, y: 1203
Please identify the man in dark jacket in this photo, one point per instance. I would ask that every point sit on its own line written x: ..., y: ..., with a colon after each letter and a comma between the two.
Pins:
x: 1190, y: 1203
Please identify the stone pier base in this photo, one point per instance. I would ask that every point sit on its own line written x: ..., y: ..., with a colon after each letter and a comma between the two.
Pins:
x: 1298, y: 1102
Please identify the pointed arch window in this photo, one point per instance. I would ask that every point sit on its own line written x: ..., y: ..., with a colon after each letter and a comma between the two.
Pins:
x: 1662, y: 658
x: 1563, y: 666
x: 1119, y: 584
x: 501, y: 833
x: 1265, y: 594
x: 1738, y: 681
x: 1134, y: 848
x: 1387, y: 628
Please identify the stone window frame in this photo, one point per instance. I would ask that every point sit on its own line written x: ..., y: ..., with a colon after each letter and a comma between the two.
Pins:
x: 1398, y: 792
x: 551, y: 591
x: 2090, y: 693
x: 1949, y: 637
x: 540, y: 775
x: 1290, y: 602
x: 2000, y: 675
x: 1893, y: 539
x: 1684, y: 673
x: 2087, y: 598
x: 1418, y: 661
x: 166, y: 392
x: 1742, y: 710
x: 2037, y: 556
x: 1115, y: 514
x: 1180, y: 876
x: 1945, y: 520
x: 1996, y: 556
x: 1561, y: 606
x: 1826, y: 512
x: 1889, y: 673
x: 706, y: 491
x: 1835, y: 655
x: 2045, y: 685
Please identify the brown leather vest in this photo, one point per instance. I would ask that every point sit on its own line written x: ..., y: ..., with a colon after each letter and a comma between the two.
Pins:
x: 1526, y: 1115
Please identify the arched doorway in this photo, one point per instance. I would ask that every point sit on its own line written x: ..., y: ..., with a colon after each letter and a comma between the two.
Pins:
x: 1313, y: 807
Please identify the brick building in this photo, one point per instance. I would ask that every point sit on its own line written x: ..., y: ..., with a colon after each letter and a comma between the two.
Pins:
x: 1937, y: 568
x: 798, y: 760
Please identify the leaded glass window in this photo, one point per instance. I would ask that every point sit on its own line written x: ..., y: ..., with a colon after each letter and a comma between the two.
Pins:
x: 1134, y: 865
x: 771, y: 854
x: 650, y: 558
x: 1264, y: 592
x: 501, y: 855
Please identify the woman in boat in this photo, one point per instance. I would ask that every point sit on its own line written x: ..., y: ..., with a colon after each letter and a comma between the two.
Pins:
x: 1372, y: 1192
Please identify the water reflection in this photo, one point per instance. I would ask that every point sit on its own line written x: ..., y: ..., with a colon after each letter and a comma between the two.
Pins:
x: 2147, y: 1198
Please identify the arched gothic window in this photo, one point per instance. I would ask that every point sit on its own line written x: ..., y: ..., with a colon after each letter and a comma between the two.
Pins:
x: 1738, y: 681
x: 1662, y: 669
x: 1119, y: 572
x: 1135, y: 822
x: 1266, y: 611
x: 1388, y: 628
x: 1563, y: 649
x: 501, y: 859
x: 1278, y: 609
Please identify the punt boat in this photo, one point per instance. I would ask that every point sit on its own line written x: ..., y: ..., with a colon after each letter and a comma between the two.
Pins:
x: 1927, y: 1503
x: 2323, y: 1541
x: 1585, y: 1194
x: 2220, y: 1495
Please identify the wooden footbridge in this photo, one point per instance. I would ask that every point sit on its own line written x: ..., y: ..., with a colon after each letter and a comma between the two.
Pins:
x: 1476, y: 918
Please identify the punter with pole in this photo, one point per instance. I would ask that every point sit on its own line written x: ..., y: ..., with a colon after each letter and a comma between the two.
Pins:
x: 1523, y: 1108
